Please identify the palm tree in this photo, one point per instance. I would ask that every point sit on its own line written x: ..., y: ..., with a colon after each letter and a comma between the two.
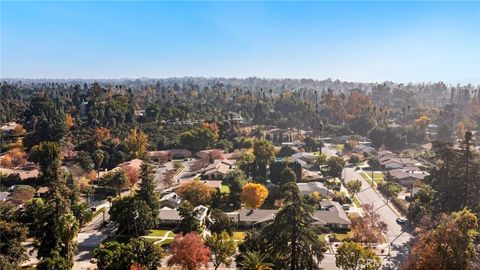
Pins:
x: 252, y: 260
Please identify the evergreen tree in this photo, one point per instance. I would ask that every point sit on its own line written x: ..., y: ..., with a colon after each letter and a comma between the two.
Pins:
x: 290, y: 237
x: 147, y: 191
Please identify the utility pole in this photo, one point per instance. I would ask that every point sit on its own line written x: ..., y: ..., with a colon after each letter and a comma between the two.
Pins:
x: 135, y: 222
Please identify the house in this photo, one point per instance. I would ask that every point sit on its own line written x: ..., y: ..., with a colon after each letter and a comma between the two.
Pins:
x: 170, y: 200
x: 42, y: 192
x: 311, y: 187
x: 385, y: 154
x: 407, y: 178
x: 391, y: 163
x: 170, y: 216
x: 179, y: 153
x: 332, y: 215
x: 219, y: 167
x: 363, y: 149
x: 3, y: 196
x: 248, y: 218
x: 305, y: 159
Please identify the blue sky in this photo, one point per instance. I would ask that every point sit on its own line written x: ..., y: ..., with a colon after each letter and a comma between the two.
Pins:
x: 353, y: 41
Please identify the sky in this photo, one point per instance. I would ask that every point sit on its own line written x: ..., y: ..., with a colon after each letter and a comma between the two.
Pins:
x: 352, y: 41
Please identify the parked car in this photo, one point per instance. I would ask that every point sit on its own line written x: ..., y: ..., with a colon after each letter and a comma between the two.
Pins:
x: 401, y: 220
x: 346, y: 206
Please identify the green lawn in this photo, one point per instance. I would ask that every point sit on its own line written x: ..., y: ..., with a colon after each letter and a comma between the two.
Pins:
x: 224, y: 189
x: 377, y: 177
x: 356, y: 202
x: 160, y: 233
x: 340, y: 236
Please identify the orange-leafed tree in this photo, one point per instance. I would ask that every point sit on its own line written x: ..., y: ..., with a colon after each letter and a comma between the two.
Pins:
x: 368, y: 229
x: 102, y: 134
x: 253, y: 195
x: 423, y: 121
x: 189, y: 252
x: 69, y: 121
x: 356, y: 103
x: 196, y: 192
x: 450, y: 245
x: 18, y: 156
x: 132, y: 174
x: 19, y: 130
x: 6, y: 161
x: 214, y: 128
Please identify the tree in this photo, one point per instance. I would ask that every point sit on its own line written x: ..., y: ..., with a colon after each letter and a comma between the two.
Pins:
x: 374, y: 163
x: 253, y: 195
x: 321, y: 159
x: 354, y: 186
x: 252, y: 260
x: 368, y: 228
x: 287, y: 176
x: 189, y: 222
x: 147, y: 191
x: 146, y: 254
x: 115, y: 180
x: 222, y: 246
x: 335, y: 166
x: 133, y: 216
x: 189, y: 252
x: 197, y: 139
x: 264, y: 153
x: 12, y: 252
x: 99, y: 157
x: 354, y: 159
x: 450, y: 245
x: 137, y: 143
x: 312, y: 144
x: 196, y: 192
x: 352, y: 256
x: 113, y: 255
x: 290, y: 238
x: 286, y: 151
x: 235, y: 180
x: 132, y: 174
x: 220, y: 222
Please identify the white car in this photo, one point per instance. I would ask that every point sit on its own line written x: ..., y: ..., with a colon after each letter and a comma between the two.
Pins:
x: 401, y: 220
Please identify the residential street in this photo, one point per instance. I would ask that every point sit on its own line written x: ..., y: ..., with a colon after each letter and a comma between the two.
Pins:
x: 89, y: 238
x: 396, y: 234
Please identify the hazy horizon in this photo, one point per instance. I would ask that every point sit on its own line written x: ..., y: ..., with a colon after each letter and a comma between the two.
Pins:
x: 351, y: 41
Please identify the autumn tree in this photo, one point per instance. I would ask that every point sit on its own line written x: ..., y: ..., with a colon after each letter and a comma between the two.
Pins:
x: 253, y: 195
x: 196, y: 192
x: 222, y: 246
x: 352, y: 256
x: 368, y: 228
x: 132, y: 174
x: 189, y: 252
x: 450, y: 245
x: 137, y: 143
x: 214, y: 128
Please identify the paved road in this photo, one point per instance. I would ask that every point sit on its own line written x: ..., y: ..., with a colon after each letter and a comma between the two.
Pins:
x: 397, y: 234
x: 89, y: 238
x: 329, y: 150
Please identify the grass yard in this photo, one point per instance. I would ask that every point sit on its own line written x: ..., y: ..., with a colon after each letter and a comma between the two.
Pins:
x: 377, y: 177
x: 224, y: 189
x: 161, y: 233
x: 356, y: 202
x: 340, y: 236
